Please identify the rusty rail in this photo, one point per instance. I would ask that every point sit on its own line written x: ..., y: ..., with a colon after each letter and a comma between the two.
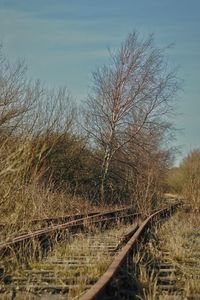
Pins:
x: 98, y: 289
x: 93, y: 217
x: 49, y: 221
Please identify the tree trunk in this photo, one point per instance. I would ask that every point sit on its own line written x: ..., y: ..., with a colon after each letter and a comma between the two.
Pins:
x: 104, y: 173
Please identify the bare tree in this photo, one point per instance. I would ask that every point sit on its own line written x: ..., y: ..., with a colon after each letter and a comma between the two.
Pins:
x: 14, y: 94
x: 132, y: 93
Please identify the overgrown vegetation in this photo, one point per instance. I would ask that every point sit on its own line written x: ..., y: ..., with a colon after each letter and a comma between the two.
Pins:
x: 37, y: 128
x: 51, y: 165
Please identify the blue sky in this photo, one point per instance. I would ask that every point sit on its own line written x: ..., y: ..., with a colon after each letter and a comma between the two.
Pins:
x: 63, y: 41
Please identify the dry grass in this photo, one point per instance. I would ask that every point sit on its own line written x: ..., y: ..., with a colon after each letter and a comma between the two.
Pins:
x: 148, y: 284
x: 181, y: 236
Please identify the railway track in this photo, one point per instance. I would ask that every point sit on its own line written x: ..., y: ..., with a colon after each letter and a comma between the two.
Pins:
x: 44, y: 236
x: 100, y: 290
x: 76, y: 266
x: 37, y: 224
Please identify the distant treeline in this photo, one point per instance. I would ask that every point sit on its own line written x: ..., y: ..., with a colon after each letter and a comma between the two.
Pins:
x: 185, y: 179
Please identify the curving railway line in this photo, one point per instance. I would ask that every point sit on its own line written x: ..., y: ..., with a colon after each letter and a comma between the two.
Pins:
x: 87, y: 263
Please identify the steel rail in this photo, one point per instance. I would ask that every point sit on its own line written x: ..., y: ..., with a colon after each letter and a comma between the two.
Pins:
x: 77, y: 222
x: 53, y: 220
x: 97, y: 290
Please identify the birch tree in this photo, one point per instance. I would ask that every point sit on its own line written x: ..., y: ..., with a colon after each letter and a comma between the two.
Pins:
x: 133, y: 92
